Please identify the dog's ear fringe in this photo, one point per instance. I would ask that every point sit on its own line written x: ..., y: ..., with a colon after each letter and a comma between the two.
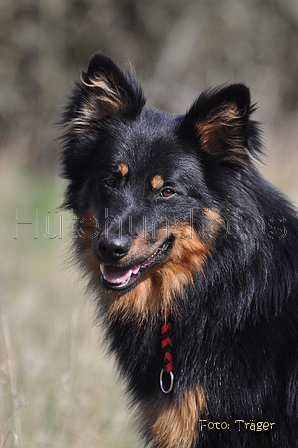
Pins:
x: 220, y: 120
x: 104, y: 90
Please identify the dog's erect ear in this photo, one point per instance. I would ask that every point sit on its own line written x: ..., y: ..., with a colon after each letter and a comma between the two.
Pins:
x: 104, y: 90
x: 219, y: 118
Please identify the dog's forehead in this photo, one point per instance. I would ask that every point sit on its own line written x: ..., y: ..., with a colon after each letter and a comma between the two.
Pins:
x: 148, y: 144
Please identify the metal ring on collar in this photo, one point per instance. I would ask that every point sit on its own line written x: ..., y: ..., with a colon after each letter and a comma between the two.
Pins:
x: 161, y: 382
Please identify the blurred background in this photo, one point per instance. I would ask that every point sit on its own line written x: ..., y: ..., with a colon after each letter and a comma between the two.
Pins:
x: 57, y: 388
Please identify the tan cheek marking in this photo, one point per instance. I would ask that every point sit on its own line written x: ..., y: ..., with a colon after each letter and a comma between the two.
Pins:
x: 123, y: 169
x: 214, y: 221
x: 157, y: 182
x: 212, y: 214
x: 177, y: 425
x: 158, y: 285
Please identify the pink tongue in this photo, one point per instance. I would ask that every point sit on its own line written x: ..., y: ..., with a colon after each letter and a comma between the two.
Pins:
x: 114, y: 274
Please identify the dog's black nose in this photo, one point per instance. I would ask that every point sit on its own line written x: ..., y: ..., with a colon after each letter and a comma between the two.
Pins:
x: 113, y: 248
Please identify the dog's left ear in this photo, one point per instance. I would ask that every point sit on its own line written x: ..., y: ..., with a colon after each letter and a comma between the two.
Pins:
x: 219, y: 120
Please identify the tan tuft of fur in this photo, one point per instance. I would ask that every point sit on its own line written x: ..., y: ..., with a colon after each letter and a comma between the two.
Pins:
x: 103, y: 99
x: 123, y: 169
x: 176, y: 424
x: 157, y: 182
x: 159, y: 284
x: 223, y: 129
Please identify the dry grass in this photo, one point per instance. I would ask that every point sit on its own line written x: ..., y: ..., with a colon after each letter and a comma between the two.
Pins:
x: 56, y: 387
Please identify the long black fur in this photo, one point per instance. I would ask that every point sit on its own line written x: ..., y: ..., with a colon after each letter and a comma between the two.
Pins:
x: 236, y: 324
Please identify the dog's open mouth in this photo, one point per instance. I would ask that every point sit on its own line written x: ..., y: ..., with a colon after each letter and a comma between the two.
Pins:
x: 116, y: 278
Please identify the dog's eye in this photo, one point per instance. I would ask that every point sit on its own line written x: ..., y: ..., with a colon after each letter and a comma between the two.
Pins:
x: 167, y: 192
x: 110, y: 182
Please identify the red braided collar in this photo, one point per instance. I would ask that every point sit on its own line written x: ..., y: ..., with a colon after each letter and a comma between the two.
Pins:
x: 166, y: 346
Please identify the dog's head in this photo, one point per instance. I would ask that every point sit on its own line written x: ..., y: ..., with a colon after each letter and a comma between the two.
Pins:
x: 145, y: 185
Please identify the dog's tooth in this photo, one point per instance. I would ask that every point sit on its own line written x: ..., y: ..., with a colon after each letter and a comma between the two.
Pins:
x: 128, y: 278
x: 136, y: 269
x: 101, y: 267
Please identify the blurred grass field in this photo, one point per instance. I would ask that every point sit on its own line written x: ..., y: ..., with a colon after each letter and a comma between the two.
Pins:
x: 57, y: 387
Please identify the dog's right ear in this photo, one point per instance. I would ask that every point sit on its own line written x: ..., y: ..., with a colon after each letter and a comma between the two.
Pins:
x: 104, y: 90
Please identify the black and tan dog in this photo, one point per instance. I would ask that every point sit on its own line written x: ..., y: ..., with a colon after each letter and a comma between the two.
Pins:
x: 193, y: 260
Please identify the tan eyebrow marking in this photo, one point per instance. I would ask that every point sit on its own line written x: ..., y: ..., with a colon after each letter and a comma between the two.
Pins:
x: 157, y: 182
x: 123, y: 169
